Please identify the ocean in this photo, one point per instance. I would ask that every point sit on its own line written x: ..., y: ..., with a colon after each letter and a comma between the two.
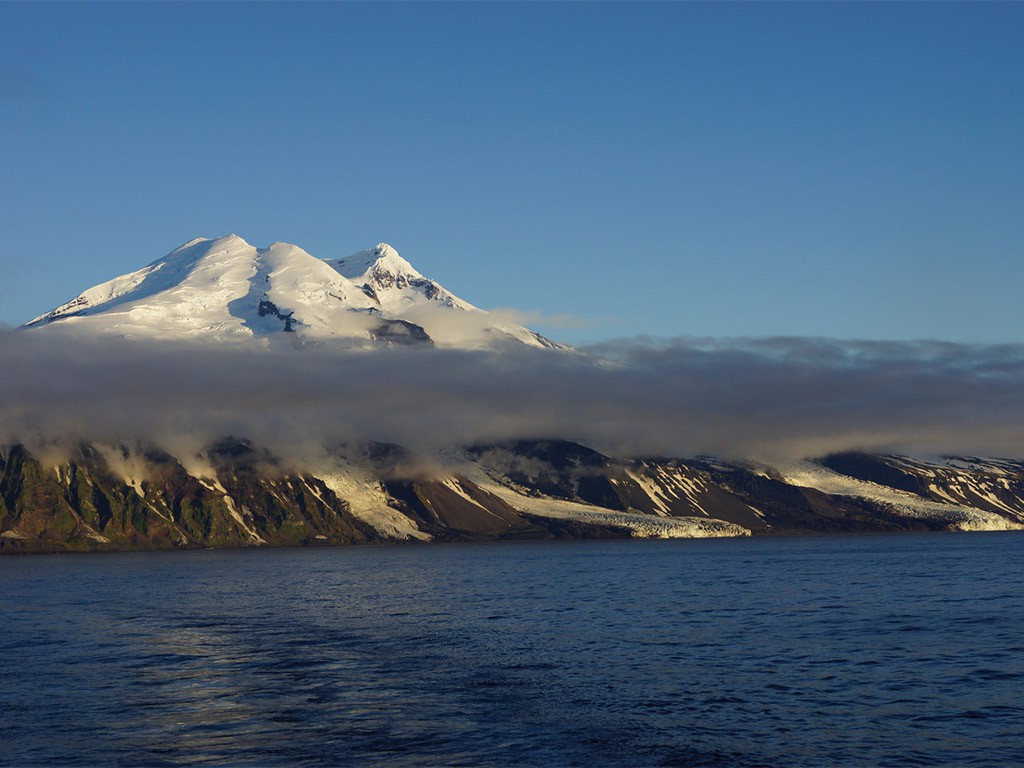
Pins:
x: 882, y: 650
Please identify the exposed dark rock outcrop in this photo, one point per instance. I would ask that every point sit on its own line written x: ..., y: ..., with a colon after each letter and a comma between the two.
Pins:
x: 401, y: 333
x: 267, y: 307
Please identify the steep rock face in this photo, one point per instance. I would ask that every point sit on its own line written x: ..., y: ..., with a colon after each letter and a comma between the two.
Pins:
x: 874, y: 469
x: 761, y: 499
x: 674, y: 488
x: 555, y: 468
x: 456, y: 508
x: 235, y: 494
x: 786, y: 508
x: 238, y: 495
x: 84, y: 504
x: 991, y: 485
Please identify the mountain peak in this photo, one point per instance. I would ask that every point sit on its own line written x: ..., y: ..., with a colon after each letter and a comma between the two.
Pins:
x: 389, y: 262
x: 383, y: 250
x: 380, y: 264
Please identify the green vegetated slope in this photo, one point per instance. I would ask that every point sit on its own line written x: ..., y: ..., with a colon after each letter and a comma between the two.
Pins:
x: 83, y: 505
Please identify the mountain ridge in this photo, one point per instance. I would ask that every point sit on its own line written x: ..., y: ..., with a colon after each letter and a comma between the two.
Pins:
x: 237, y: 494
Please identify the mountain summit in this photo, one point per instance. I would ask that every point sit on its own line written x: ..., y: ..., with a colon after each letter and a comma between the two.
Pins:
x: 226, y: 290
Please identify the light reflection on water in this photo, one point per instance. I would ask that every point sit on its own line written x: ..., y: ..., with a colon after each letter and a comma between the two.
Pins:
x: 868, y: 650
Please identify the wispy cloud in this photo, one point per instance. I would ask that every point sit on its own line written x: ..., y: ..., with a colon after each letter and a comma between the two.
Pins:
x: 771, y: 398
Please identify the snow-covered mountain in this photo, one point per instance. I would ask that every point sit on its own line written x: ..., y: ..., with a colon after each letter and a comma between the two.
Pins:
x: 226, y: 290
x: 95, y: 492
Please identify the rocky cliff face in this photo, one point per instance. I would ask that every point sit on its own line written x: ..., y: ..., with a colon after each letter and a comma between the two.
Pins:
x: 85, y: 504
x: 235, y: 494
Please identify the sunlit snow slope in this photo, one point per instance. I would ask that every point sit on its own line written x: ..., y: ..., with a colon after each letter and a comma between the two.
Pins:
x: 230, y: 291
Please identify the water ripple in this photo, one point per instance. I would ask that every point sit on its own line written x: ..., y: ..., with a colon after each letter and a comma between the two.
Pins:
x: 844, y: 651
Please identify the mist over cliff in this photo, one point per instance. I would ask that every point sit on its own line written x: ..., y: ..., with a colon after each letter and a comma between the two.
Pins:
x: 772, y: 398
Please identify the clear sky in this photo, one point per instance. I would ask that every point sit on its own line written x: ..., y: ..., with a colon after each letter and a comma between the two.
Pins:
x: 845, y: 170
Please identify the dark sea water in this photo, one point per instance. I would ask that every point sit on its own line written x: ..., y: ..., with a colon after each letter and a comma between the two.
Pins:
x: 842, y: 651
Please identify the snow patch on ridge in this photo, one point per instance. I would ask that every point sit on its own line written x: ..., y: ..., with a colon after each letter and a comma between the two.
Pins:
x: 368, y: 502
x: 664, y: 488
x: 203, y: 472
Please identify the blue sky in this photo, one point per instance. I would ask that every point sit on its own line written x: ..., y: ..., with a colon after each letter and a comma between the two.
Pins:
x: 842, y: 170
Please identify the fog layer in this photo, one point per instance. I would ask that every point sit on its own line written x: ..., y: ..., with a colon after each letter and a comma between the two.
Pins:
x: 765, y: 398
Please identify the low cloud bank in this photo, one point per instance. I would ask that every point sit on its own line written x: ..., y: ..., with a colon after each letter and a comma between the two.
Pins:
x: 767, y: 398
